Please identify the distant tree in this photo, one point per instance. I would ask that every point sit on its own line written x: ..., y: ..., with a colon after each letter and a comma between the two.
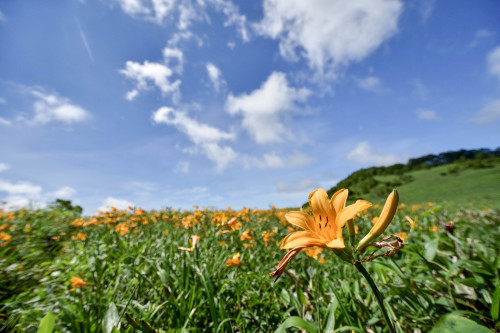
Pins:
x: 66, y: 205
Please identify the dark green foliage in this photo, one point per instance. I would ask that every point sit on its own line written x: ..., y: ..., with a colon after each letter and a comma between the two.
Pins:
x: 376, y: 183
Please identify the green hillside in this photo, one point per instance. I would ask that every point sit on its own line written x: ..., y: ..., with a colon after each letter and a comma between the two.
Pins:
x: 480, y: 186
x: 457, y: 178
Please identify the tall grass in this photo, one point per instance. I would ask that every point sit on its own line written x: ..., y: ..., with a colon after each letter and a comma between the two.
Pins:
x: 139, y: 279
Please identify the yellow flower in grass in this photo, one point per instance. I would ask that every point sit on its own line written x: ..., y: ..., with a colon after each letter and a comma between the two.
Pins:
x: 194, y: 240
x: 323, y: 228
x: 246, y: 235
x: 80, y: 236
x: 234, y: 261
x: 4, y: 238
x: 402, y: 235
x: 313, y: 252
x: 77, y: 282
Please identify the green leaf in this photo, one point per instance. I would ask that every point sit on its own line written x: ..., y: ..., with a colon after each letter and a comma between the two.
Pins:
x: 495, y: 305
x: 47, y: 323
x: 451, y: 323
x: 299, y: 323
x: 330, y: 319
x: 431, y: 249
x: 111, y: 318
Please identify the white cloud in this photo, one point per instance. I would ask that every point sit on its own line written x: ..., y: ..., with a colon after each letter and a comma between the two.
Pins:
x: 4, y: 167
x: 185, y: 12
x: 489, y: 113
x: 131, y: 95
x: 262, y: 108
x: 65, y: 192
x: 215, y: 76
x: 204, y: 136
x: 182, y: 167
x: 176, y: 54
x: 5, y: 122
x: 147, y: 74
x: 50, y: 107
x: 27, y: 194
x: 2, y: 17
x: 364, y: 154
x: 494, y: 62
x: 120, y: 204
x: 371, y: 83
x: 21, y: 194
x: 20, y: 188
x: 299, y: 186
x: 274, y: 161
x: 3, y: 101
x: 328, y: 32
x: 233, y: 16
x: 426, y: 114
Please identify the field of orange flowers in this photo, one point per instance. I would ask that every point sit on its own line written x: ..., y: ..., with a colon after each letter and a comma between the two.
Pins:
x: 208, y: 270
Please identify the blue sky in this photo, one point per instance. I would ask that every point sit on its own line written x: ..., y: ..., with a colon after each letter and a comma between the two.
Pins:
x: 176, y: 103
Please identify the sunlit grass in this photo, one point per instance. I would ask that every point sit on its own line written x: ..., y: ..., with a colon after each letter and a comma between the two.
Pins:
x: 139, y: 270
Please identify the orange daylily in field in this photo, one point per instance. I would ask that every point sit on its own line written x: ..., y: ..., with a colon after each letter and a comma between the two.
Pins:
x: 77, y: 282
x: 234, y: 261
x: 323, y: 228
x: 194, y: 240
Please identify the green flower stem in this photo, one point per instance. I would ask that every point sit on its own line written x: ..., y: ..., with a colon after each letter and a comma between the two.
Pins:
x: 378, y: 295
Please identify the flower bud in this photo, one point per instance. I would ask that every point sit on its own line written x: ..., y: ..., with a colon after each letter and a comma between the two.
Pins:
x: 385, y: 218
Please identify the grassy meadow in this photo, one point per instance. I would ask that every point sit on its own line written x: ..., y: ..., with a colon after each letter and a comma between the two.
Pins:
x: 208, y: 271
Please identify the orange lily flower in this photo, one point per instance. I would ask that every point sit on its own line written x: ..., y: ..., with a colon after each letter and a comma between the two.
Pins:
x: 323, y: 229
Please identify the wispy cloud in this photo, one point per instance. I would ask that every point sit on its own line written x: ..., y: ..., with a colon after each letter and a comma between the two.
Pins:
x: 206, y: 138
x: 420, y: 90
x: 371, y: 83
x: 149, y: 75
x: 4, y: 167
x: 488, y: 114
x: 480, y: 36
x: 5, y: 122
x: 215, y: 76
x: 50, y: 107
x: 185, y: 12
x: 298, y: 186
x: 274, y: 161
x: 110, y: 202
x: 181, y: 167
x: 262, y: 108
x: 493, y: 61
x: 363, y: 153
x: 426, y: 114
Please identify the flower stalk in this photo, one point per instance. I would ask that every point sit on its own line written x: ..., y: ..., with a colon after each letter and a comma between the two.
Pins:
x: 378, y: 295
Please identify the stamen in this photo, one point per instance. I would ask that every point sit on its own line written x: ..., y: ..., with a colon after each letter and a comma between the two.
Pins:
x: 326, y: 224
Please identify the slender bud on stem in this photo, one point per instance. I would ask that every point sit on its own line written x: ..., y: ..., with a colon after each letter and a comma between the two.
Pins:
x: 385, y: 218
x: 351, y: 231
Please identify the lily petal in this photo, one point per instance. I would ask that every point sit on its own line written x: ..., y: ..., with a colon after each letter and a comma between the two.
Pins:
x: 320, y: 205
x: 299, y: 238
x: 300, y: 220
x: 336, y: 244
x: 350, y: 211
x: 339, y: 199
